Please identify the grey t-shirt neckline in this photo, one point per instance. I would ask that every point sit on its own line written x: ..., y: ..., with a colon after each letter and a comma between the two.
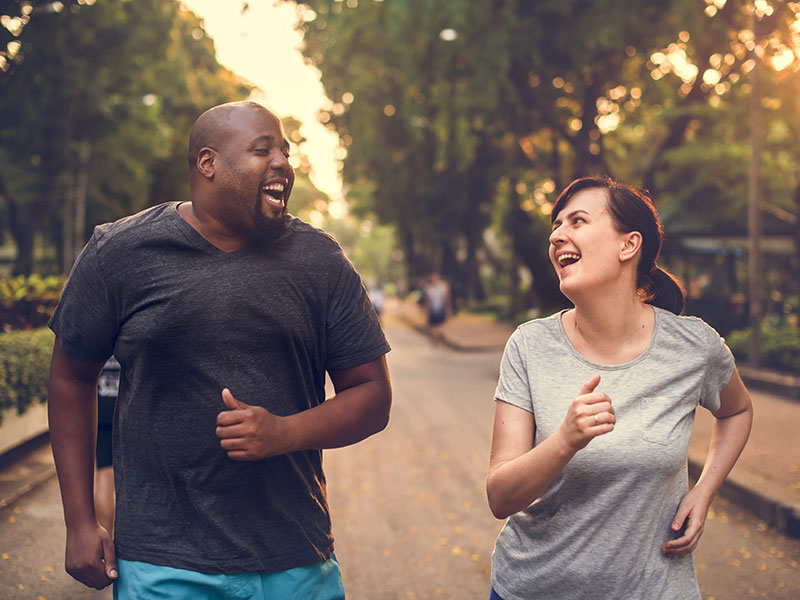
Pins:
x: 621, y: 366
x: 192, y: 235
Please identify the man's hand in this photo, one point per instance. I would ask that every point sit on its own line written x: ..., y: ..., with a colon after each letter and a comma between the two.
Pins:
x: 90, y: 556
x: 250, y: 432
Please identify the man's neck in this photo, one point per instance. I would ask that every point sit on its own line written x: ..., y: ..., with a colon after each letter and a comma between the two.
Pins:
x: 211, y: 229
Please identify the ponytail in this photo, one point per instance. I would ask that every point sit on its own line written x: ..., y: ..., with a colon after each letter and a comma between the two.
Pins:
x: 664, y: 290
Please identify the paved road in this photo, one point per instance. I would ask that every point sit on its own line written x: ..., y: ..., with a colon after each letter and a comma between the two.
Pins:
x: 410, y: 514
x: 32, y: 550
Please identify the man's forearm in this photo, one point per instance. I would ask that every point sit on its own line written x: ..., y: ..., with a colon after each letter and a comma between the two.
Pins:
x: 72, y: 413
x: 347, y: 418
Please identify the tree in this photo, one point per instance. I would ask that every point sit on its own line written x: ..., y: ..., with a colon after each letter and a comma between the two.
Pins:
x: 452, y: 110
x: 96, y: 113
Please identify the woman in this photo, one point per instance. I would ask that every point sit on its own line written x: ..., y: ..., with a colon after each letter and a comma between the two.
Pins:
x: 594, y: 411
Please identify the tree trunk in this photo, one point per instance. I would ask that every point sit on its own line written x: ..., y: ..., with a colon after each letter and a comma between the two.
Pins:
x: 796, y: 260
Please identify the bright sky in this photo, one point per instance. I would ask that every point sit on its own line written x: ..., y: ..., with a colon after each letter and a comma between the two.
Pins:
x: 261, y: 46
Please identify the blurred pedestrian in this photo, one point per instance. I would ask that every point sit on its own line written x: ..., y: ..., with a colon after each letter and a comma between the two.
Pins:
x: 378, y: 298
x: 224, y: 313
x: 594, y: 411
x: 438, y: 306
x: 104, y: 497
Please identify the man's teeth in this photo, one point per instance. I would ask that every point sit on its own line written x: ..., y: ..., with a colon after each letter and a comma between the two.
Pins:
x: 273, y: 187
x: 568, y: 259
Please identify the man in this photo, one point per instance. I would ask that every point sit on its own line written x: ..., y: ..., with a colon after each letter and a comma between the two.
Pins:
x: 225, y: 314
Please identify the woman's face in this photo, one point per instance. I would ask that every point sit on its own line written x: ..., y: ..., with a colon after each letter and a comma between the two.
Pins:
x: 585, y: 246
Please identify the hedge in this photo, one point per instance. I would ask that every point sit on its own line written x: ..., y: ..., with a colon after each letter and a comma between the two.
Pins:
x: 780, y: 343
x: 28, y: 302
x: 24, y: 368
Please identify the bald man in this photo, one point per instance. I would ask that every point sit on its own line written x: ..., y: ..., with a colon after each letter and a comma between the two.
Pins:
x: 225, y: 313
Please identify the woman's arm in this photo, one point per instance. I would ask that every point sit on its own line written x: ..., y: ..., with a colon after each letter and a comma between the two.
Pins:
x: 519, y: 472
x: 729, y: 434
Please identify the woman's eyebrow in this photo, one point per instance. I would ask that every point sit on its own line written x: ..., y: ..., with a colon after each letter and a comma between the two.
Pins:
x: 575, y: 212
x: 557, y: 222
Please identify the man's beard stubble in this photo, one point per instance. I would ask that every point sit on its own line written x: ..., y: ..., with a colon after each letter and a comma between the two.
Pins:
x: 268, y: 229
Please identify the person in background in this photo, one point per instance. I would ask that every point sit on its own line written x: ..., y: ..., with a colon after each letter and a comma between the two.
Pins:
x: 378, y: 298
x: 437, y: 303
x: 594, y: 409
x: 225, y: 314
x: 104, y: 497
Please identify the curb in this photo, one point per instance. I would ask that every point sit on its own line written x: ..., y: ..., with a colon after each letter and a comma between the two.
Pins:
x: 774, y: 382
x: 764, y: 499
x: 29, y: 486
x: 24, y: 470
x: 453, y: 345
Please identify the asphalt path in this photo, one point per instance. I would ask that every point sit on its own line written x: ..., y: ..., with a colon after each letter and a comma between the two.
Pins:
x: 409, y: 508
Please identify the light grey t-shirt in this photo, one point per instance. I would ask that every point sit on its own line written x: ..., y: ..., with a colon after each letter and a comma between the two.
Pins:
x: 598, y: 529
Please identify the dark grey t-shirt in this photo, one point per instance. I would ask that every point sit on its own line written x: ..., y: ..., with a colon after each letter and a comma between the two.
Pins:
x: 186, y: 320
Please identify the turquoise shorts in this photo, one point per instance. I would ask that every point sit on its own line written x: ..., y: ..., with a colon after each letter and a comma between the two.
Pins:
x: 144, y: 581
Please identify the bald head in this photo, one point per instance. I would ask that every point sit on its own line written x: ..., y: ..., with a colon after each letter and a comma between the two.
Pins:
x: 213, y: 128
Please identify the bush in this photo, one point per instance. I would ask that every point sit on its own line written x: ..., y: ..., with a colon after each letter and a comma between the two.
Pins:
x: 28, y: 302
x: 780, y: 343
x: 24, y: 368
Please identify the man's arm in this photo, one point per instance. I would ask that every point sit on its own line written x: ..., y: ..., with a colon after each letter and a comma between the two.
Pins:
x: 359, y: 409
x: 72, y: 412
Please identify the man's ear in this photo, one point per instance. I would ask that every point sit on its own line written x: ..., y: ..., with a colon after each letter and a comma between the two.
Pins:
x: 631, y: 243
x: 206, y: 162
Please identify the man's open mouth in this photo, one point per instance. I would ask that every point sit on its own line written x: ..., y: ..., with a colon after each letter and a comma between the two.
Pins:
x: 274, y: 193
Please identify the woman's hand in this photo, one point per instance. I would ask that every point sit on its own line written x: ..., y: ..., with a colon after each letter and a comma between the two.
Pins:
x: 590, y: 414
x: 729, y: 433
x: 692, y: 513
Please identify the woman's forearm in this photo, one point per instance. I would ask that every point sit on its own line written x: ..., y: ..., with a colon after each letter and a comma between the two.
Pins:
x: 513, y: 485
x: 728, y: 437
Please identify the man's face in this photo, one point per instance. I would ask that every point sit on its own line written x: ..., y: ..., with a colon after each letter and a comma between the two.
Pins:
x: 253, y: 175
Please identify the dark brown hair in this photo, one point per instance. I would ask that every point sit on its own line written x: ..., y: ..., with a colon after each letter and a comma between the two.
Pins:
x: 632, y: 210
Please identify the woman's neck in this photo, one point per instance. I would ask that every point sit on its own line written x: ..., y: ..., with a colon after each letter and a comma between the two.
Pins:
x: 610, y: 329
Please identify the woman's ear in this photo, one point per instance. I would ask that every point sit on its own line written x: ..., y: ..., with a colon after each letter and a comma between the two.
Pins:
x: 206, y: 162
x: 631, y: 243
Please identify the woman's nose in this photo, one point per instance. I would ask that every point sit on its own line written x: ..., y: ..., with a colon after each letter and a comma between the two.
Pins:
x: 556, y: 236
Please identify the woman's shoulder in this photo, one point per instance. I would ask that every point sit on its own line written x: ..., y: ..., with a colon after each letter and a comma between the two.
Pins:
x: 686, y: 326
x: 536, y: 327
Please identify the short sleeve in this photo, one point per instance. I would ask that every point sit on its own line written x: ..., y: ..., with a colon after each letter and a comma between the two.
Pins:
x: 513, y: 385
x: 353, y: 331
x: 719, y: 368
x: 84, y: 319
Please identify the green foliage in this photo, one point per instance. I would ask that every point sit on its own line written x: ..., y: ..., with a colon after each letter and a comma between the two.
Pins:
x: 28, y: 302
x: 780, y: 339
x: 24, y: 368
x: 97, y: 108
x: 440, y: 103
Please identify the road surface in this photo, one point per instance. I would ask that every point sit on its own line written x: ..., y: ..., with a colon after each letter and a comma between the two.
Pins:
x: 409, y: 508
